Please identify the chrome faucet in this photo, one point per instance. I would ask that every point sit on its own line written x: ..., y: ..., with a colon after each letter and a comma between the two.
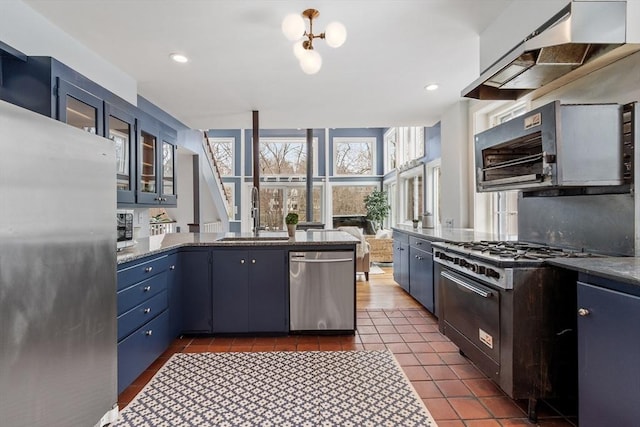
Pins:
x: 255, y: 209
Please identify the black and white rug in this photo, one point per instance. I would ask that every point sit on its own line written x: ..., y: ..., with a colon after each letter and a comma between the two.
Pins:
x: 309, y: 388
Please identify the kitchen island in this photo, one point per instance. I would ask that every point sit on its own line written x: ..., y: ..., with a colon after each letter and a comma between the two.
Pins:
x: 213, y: 284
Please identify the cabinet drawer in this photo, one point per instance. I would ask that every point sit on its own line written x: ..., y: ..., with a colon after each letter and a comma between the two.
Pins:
x: 141, y: 314
x: 138, y: 293
x: 137, y: 271
x: 141, y: 348
x: 421, y: 244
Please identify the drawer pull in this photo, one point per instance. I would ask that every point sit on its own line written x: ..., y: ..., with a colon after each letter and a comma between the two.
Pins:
x: 173, y: 267
x: 253, y: 261
x: 241, y: 261
x: 583, y: 312
x: 148, y: 269
x: 146, y: 288
x: 149, y: 332
x: 147, y: 310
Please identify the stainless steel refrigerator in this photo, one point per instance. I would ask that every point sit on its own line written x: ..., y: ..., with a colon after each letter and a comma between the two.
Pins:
x: 57, y: 273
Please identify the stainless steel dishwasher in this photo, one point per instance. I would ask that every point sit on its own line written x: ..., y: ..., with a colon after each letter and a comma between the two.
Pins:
x: 322, y: 291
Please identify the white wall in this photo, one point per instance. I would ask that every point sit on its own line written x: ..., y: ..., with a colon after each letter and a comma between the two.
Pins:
x: 454, y: 184
x: 26, y: 30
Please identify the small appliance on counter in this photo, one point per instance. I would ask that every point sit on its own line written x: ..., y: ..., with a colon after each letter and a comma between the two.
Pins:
x: 124, y: 228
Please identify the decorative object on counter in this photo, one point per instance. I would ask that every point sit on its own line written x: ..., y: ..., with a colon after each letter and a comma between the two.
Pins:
x: 415, y: 223
x: 377, y: 206
x: 293, y: 27
x: 291, y: 220
x: 237, y: 389
x: 427, y: 220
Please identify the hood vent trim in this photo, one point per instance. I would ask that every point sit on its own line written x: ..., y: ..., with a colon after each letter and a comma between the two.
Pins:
x: 581, y: 38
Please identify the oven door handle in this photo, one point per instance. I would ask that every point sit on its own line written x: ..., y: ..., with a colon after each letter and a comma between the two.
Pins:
x: 460, y: 282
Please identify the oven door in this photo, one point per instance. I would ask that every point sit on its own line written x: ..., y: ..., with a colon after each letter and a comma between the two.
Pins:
x: 471, y: 316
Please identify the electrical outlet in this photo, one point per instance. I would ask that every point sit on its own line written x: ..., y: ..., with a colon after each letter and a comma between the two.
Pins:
x: 448, y: 222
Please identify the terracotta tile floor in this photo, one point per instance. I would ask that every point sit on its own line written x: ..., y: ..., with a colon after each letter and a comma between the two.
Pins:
x: 454, y: 391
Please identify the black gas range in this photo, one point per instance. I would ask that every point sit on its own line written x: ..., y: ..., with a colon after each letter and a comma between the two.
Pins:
x: 511, y: 314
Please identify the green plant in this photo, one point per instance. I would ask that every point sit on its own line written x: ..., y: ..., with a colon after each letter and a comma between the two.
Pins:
x: 377, y: 206
x: 291, y: 218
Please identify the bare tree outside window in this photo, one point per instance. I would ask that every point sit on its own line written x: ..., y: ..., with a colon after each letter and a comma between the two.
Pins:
x: 353, y: 156
x: 283, y: 158
x: 277, y: 201
x: 349, y: 199
x: 222, y: 149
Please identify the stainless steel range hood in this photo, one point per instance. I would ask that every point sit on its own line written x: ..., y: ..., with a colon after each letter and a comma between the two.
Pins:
x: 581, y: 38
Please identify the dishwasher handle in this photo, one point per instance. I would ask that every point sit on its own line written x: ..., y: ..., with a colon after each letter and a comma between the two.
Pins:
x: 320, y: 261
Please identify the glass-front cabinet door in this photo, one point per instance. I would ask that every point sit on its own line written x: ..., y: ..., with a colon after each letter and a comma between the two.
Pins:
x: 79, y: 108
x: 168, y: 189
x: 121, y: 130
x: 156, y: 163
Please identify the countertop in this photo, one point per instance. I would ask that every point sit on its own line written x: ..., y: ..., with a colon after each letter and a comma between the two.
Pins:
x: 156, y: 244
x: 622, y: 269
x: 445, y: 234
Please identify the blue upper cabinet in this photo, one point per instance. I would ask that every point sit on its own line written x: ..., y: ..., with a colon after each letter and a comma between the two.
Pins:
x: 79, y: 108
x: 120, y: 127
x: 156, y: 163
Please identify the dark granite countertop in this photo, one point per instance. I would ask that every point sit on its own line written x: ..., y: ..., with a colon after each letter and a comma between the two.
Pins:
x: 621, y: 269
x: 156, y: 244
x: 444, y: 234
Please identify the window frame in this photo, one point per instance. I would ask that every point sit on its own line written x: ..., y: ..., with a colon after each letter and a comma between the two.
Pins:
x: 350, y: 140
x: 232, y: 142
x: 291, y: 140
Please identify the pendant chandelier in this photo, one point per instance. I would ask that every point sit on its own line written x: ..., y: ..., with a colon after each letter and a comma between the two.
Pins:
x: 294, y: 28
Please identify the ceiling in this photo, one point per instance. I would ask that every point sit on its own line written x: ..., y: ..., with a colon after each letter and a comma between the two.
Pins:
x: 240, y: 61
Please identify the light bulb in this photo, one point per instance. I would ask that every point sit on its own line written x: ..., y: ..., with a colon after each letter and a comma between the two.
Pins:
x: 178, y: 57
x: 335, y: 34
x: 298, y: 50
x: 293, y: 26
x: 311, y: 62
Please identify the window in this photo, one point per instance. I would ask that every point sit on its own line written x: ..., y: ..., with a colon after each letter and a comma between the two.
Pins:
x: 222, y: 149
x: 277, y: 200
x: 391, y: 188
x: 349, y: 199
x: 413, y: 192
x: 432, y: 204
x: 354, y: 156
x: 230, y: 190
x: 284, y: 156
x: 390, y: 149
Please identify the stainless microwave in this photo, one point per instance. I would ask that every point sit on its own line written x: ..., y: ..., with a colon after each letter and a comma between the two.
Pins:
x: 124, y: 227
x: 556, y: 145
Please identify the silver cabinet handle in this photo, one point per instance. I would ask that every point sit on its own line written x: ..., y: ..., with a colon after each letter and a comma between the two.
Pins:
x: 147, y: 310
x: 148, y: 269
x: 253, y: 261
x: 241, y: 261
x: 146, y: 288
x: 418, y: 257
x: 583, y: 312
x: 149, y: 332
x: 173, y: 267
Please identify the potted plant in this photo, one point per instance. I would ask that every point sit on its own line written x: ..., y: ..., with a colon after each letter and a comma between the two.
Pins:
x: 291, y: 220
x: 377, y: 207
x: 415, y: 223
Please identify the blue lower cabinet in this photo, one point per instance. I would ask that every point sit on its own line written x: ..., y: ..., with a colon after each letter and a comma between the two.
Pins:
x: 131, y: 320
x: 141, y: 348
x: 608, y: 357
x: 195, y: 291
x: 250, y: 291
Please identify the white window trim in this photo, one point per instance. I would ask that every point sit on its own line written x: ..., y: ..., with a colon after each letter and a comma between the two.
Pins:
x: 391, y: 132
x: 227, y: 140
x: 293, y: 140
x: 364, y: 140
x: 431, y: 204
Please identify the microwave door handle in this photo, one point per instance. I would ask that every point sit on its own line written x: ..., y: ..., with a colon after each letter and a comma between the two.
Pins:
x: 482, y: 293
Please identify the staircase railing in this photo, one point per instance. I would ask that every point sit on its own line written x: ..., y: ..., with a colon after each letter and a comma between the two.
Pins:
x: 216, y: 170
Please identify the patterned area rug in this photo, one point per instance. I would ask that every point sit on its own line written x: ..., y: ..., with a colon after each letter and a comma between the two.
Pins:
x: 309, y: 388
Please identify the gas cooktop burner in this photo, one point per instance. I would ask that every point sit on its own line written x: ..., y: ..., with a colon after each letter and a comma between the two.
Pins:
x: 520, y: 250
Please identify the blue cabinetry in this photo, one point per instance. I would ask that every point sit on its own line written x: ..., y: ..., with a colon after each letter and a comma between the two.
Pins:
x: 249, y: 291
x: 608, y: 355
x: 421, y: 272
x: 143, y: 315
x: 195, y: 290
x: 401, y: 259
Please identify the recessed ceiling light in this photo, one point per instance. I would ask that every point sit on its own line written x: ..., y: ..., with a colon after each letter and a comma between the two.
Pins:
x: 431, y: 86
x: 178, y: 57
